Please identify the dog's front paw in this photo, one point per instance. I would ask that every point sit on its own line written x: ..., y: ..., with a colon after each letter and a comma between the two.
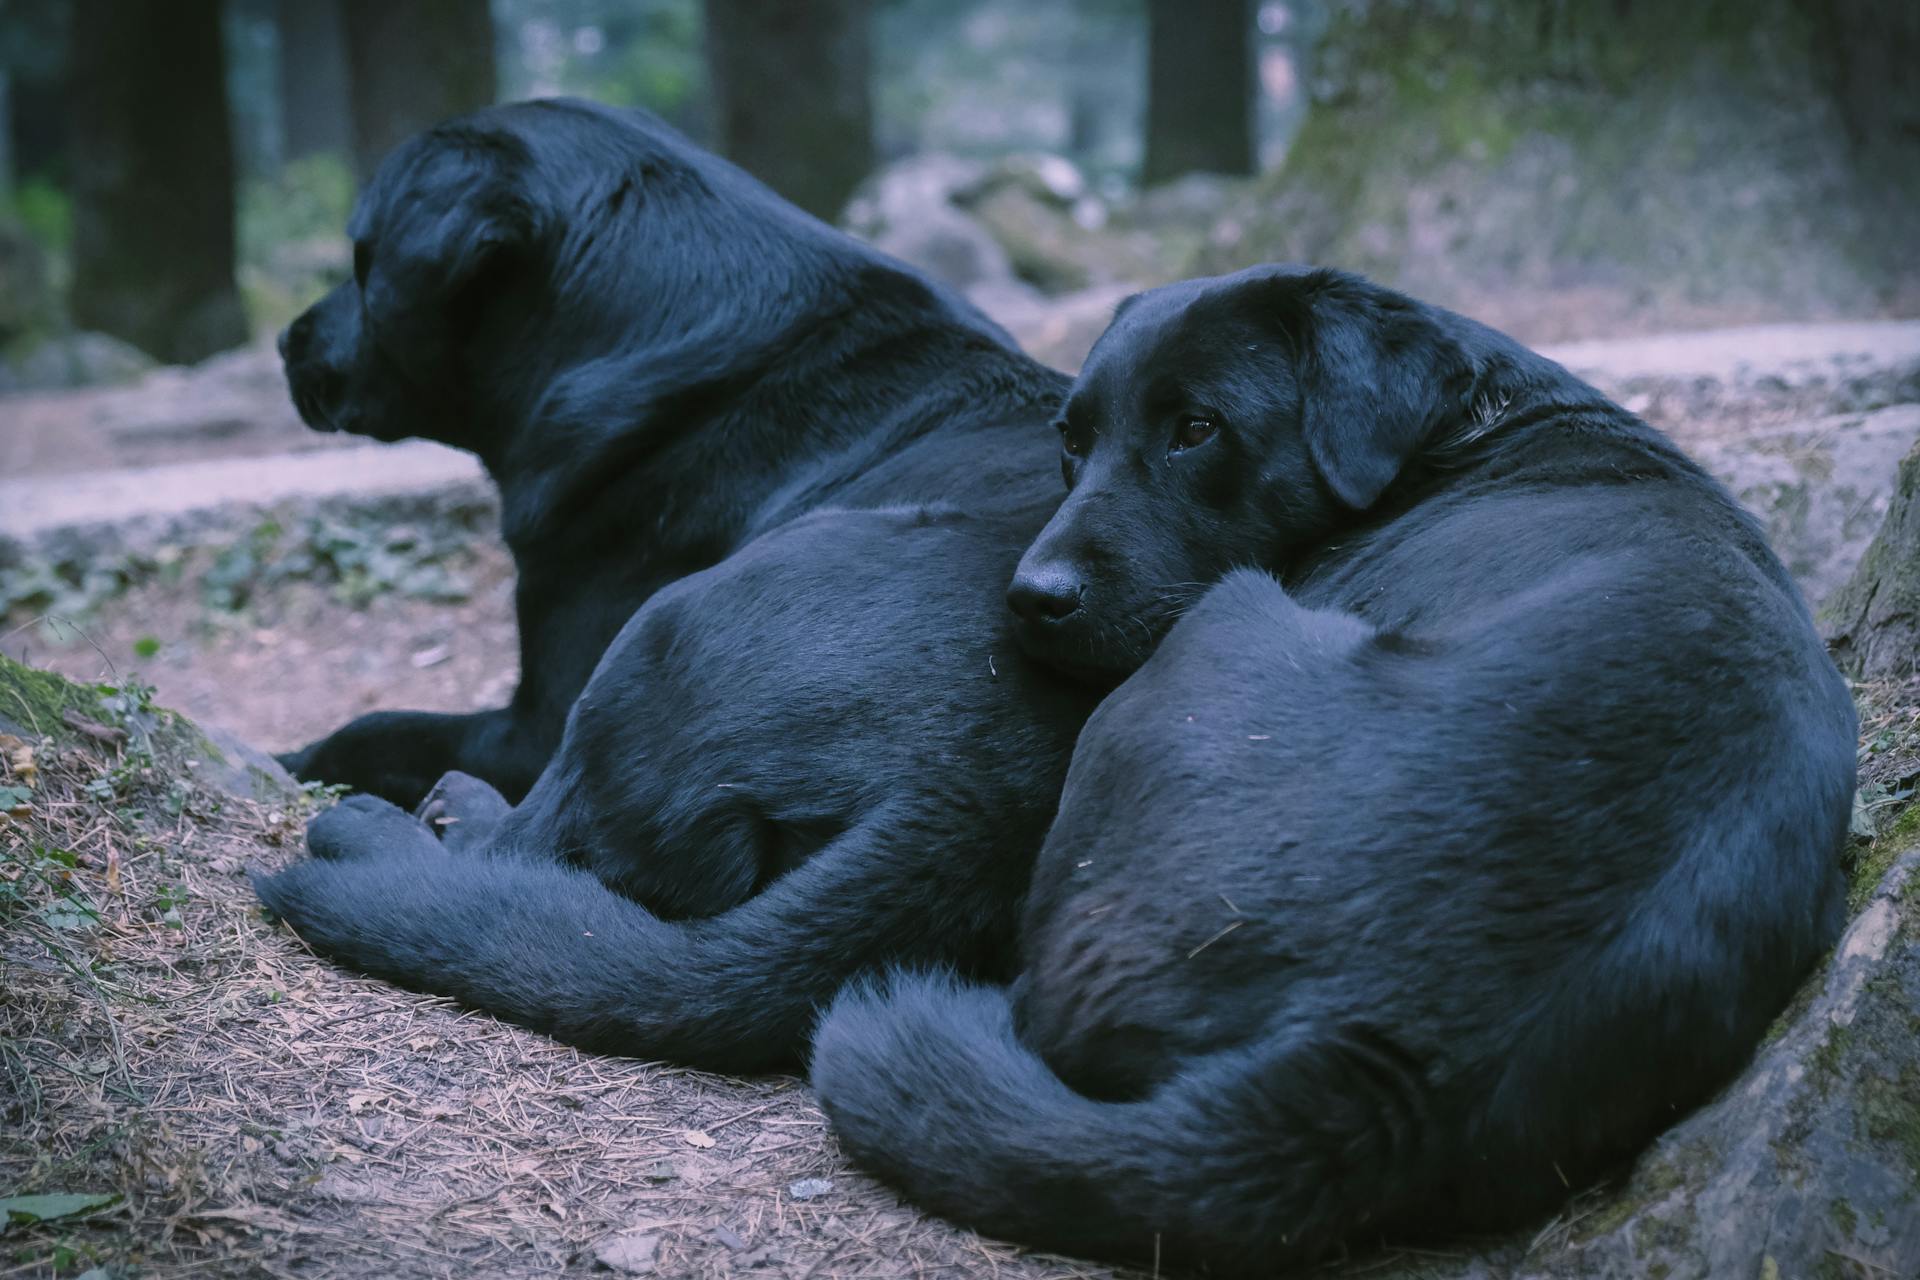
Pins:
x: 362, y: 826
x: 462, y: 811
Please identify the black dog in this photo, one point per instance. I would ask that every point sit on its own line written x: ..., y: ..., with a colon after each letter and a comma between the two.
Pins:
x: 656, y: 358
x: 823, y: 752
x: 1402, y: 890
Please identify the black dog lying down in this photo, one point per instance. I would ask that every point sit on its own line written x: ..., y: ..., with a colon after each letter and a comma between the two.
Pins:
x: 824, y: 751
x: 657, y: 359
x: 1401, y: 890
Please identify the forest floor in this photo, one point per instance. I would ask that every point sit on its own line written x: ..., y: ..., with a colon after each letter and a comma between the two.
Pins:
x: 185, y: 1091
x: 202, y: 1098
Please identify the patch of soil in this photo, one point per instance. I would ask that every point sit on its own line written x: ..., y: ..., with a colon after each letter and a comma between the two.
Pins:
x: 297, y: 662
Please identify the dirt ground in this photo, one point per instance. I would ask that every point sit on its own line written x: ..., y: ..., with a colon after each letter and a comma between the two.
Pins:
x: 224, y: 1104
x: 296, y: 662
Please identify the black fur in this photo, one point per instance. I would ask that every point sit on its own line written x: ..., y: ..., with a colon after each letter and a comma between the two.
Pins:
x: 1431, y: 864
x: 821, y: 751
x: 656, y: 358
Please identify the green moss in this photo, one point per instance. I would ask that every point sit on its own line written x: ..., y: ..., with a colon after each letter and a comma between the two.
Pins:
x: 1845, y: 1220
x: 1889, y: 1115
x: 1871, y: 867
x: 1825, y: 1061
x: 37, y: 701
x: 1651, y: 1183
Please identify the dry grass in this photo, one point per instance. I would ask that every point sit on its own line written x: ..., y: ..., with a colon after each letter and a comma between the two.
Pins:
x: 259, y: 1112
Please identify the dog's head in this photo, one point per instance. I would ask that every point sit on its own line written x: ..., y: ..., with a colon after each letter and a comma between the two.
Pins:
x: 1222, y: 423
x: 494, y: 251
x: 438, y: 237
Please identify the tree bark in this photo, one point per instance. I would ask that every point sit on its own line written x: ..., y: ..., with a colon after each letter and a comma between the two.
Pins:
x: 791, y: 94
x: 414, y: 63
x: 1200, y: 89
x: 316, y: 105
x: 153, y: 202
x: 1873, y: 622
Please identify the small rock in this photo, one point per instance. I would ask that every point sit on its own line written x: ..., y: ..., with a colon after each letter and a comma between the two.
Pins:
x: 811, y: 1188
x: 631, y: 1252
x: 727, y: 1236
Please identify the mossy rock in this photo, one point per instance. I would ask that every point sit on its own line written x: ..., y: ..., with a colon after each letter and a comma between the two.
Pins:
x: 40, y: 706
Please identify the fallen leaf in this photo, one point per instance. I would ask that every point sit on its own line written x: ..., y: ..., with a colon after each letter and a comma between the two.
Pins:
x: 20, y: 759
x: 630, y: 1251
x: 697, y: 1138
x: 47, y: 1208
x: 727, y: 1236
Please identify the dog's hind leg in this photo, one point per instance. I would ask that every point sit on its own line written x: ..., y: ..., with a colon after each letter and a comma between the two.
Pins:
x: 364, y: 826
x: 462, y: 811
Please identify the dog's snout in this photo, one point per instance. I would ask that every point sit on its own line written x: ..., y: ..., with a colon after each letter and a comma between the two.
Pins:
x: 297, y: 337
x: 1044, y: 595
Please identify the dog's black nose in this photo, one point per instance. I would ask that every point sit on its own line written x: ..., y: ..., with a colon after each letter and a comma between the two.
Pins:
x: 1043, y: 595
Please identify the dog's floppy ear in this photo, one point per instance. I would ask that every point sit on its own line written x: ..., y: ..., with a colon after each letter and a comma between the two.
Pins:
x: 1377, y: 373
x: 441, y: 211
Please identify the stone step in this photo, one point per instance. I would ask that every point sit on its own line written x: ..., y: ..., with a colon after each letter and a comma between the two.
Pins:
x: 74, y: 515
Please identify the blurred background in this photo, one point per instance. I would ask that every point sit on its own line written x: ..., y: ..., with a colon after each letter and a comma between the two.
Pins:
x: 175, y: 178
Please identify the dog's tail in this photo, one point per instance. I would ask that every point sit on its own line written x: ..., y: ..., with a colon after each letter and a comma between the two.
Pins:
x: 1260, y: 1159
x: 552, y: 948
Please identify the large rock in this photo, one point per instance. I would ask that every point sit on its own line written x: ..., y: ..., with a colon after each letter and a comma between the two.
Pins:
x: 911, y: 210
x: 1809, y: 1165
x: 1821, y: 489
x: 1873, y: 621
x: 1806, y: 423
x: 1024, y: 238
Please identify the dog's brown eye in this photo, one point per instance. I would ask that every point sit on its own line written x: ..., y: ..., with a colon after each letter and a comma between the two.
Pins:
x: 1068, y: 440
x: 1194, y: 431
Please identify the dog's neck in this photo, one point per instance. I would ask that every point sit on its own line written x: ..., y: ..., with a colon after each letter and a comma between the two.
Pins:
x: 674, y: 447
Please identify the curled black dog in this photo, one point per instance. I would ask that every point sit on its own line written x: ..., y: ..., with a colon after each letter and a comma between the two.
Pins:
x: 655, y: 358
x: 818, y: 747
x: 1467, y: 831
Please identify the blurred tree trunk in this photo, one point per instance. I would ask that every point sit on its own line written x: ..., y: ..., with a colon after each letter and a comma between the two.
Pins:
x: 152, y: 178
x: 792, y: 102
x: 414, y: 63
x: 1868, y: 51
x: 1200, y: 89
x: 1666, y: 159
x: 1873, y: 622
x: 6, y: 135
x: 316, y: 106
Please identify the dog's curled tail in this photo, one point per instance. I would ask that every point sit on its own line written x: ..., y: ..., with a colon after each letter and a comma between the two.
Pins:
x: 1261, y: 1159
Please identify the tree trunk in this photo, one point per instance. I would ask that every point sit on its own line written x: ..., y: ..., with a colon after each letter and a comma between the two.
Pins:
x: 792, y: 102
x: 1200, y: 89
x: 413, y: 64
x: 316, y: 105
x: 153, y: 234
x: 1873, y: 622
x: 1662, y: 162
x: 1867, y: 51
